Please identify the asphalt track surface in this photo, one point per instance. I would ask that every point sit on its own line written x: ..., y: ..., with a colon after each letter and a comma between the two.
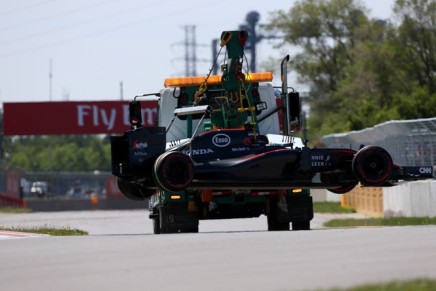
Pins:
x: 121, y: 253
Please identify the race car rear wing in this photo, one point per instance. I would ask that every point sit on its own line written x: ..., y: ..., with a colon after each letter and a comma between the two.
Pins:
x: 410, y: 173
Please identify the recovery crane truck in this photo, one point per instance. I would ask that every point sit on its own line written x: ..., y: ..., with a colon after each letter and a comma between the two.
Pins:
x: 222, y: 148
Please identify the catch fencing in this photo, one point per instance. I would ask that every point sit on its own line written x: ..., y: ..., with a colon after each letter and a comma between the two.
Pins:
x: 63, y: 184
x: 410, y: 142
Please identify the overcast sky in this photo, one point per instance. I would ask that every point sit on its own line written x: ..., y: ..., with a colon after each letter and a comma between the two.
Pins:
x: 94, y: 45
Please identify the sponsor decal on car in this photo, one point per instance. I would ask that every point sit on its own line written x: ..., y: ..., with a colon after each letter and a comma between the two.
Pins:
x: 139, y: 145
x: 221, y: 140
x: 425, y: 170
x: 320, y: 161
x: 198, y: 152
x: 240, y: 149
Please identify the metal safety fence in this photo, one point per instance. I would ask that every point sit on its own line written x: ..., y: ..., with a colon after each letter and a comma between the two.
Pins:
x: 63, y: 184
x: 410, y: 142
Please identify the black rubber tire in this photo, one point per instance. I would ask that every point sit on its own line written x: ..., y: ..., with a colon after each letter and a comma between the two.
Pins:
x: 174, y: 171
x: 162, y: 224
x: 277, y: 218
x: 301, y: 225
x: 372, y: 165
x: 156, y: 225
x: 327, y: 179
x: 134, y: 191
x: 163, y: 219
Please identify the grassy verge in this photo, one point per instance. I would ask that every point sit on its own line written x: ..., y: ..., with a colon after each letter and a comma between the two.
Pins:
x: 391, y: 221
x: 331, y: 207
x: 14, y: 210
x: 65, y: 231
x: 412, y: 285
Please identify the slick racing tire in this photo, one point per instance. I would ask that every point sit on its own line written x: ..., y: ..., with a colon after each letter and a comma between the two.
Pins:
x: 133, y: 190
x: 372, y: 165
x: 327, y: 180
x: 173, y: 171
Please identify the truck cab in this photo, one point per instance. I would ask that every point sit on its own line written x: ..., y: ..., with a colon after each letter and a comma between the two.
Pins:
x: 221, y: 148
x: 181, y: 211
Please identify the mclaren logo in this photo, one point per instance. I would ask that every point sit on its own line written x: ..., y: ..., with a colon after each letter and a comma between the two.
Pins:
x: 221, y: 140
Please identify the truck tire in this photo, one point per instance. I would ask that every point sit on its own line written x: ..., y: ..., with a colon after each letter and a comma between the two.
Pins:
x: 300, y: 211
x: 277, y: 218
x: 156, y: 225
x: 165, y: 222
x: 301, y: 225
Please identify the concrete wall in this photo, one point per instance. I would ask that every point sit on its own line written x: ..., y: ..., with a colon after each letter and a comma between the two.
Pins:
x: 410, y: 199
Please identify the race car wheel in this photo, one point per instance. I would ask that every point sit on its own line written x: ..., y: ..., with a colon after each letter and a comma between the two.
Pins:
x: 327, y: 180
x: 372, y: 165
x: 342, y: 189
x: 133, y: 190
x: 174, y: 171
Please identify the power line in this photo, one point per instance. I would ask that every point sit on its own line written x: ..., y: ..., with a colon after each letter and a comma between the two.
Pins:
x: 105, y: 31
x: 54, y: 15
x: 75, y: 24
x: 12, y: 11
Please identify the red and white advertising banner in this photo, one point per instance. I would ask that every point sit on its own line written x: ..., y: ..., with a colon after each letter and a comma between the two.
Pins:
x: 72, y: 117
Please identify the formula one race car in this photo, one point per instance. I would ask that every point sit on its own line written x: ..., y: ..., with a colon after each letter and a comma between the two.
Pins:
x: 242, y: 158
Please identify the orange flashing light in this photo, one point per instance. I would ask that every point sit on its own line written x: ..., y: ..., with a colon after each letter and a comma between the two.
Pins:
x: 214, y: 79
x: 259, y: 77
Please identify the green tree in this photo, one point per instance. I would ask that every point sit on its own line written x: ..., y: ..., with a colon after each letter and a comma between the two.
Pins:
x: 362, y: 71
x: 416, y: 41
x: 59, y: 153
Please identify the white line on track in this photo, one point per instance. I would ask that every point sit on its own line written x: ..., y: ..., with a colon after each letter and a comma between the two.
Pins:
x: 5, y: 234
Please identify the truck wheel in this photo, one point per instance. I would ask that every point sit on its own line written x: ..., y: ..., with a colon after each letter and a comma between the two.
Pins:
x: 277, y: 218
x: 301, y: 225
x: 192, y: 229
x: 164, y: 220
x: 156, y: 225
x: 300, y: 211
x: 372, y: 165
x: 174, y: 171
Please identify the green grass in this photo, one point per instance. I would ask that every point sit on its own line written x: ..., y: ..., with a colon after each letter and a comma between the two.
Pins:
x: 412, y: 285
x: 65, y: 231
x: 14, y: 210
x: 391, y: 221
x: 331, y: 207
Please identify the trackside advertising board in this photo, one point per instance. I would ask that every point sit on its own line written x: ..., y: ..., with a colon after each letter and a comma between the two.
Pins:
x: 72, y: 117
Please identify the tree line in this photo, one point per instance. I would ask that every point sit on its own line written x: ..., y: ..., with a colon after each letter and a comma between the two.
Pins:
x: 58, y: 153
x: 362, y: 71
